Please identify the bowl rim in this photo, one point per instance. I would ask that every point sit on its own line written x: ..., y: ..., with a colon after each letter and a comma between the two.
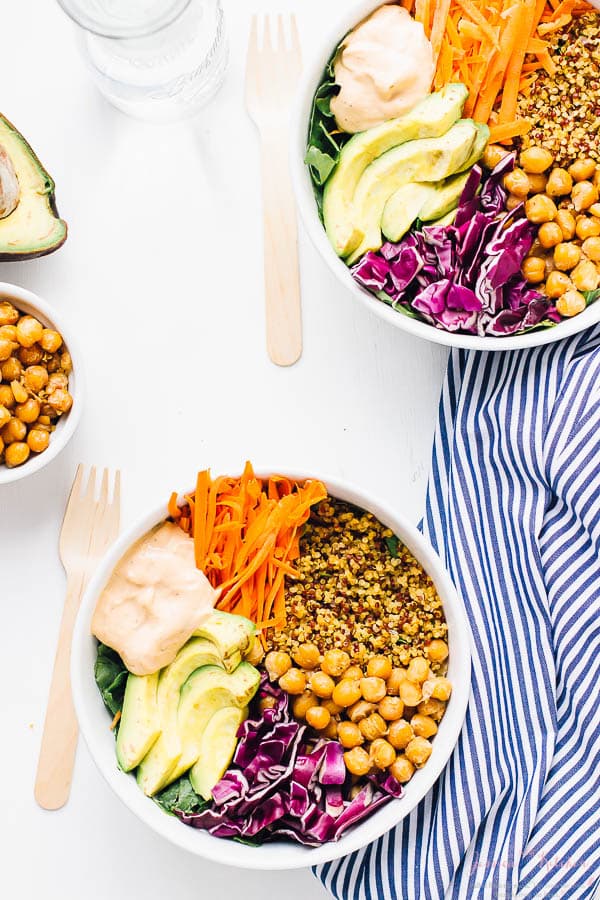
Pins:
x: 314, y: 64
x: 92, y: 715
x: 30, y: 303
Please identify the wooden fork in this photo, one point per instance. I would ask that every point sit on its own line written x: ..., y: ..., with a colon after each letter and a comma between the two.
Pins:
x: 89, y: 526
x: 272, y: 71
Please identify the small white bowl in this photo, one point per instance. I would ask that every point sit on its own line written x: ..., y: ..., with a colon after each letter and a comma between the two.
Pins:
x: 317, y: 59
x: 94, y: 720
x: 26, y: 302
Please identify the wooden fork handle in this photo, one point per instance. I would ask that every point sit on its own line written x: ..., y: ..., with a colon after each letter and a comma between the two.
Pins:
x: 59, y: 740
x: 282, y: 277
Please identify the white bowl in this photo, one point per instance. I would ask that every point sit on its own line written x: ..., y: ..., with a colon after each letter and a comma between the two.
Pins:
x: 318, y: 57
x: 94, y: 720
x: 27, y: 302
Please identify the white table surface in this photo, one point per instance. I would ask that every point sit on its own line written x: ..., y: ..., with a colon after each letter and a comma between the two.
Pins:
x: 161, y: 280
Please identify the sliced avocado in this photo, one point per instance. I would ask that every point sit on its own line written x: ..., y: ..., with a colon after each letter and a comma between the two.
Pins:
x: 448, y: 219
x: 231, y: 634
x: 33, y: 228
x: 430, y: 159
x: 217, y: 747
x: 430, y: 118
x: 204, y: 693
x: 139, y: 726
x: 156, y: 765
x: 481, y: 142
x: 444, y: 198
x: 404, y: 207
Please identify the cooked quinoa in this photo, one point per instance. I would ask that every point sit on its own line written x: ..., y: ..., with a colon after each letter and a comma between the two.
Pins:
x: 565, y: 107
x: 359, y: 589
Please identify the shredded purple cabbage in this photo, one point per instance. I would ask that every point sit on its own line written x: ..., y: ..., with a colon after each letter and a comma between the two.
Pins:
x: 282, y: 784
x: 467, y: 276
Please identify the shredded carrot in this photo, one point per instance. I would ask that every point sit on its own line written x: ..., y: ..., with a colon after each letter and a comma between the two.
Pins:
x: 474, y: 13
x: 408, y: 4
x: 439, y: 27
x: 116, y: 720
x: 507, y: 130
x: 246, y: 534
x: 510, y: 93
x: 497, y: 69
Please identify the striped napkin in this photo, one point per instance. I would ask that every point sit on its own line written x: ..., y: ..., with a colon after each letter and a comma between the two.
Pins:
x: 513, y: 507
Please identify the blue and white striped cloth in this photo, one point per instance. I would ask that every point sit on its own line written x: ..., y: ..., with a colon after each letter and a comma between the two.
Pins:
x: 513, y: 507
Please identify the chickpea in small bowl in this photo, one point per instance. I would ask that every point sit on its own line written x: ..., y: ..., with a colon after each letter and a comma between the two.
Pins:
x: 40, y: 384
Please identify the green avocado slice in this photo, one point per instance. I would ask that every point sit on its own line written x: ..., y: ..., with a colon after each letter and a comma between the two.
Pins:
x: 404, y: 207
x: 430, y: 118
x: 430, y: 159
x: 232, y: 635
x: 33, y: 228
x: 216, y: 749
x: 139, y: 726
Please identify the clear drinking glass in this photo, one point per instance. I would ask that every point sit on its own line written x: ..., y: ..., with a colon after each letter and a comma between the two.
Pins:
x: 155, y: 59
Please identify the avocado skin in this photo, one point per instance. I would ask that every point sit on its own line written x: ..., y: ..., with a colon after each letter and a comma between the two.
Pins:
x: 48, y: 196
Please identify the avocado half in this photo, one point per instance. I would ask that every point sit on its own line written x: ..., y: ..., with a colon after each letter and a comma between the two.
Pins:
x: 33, y: 228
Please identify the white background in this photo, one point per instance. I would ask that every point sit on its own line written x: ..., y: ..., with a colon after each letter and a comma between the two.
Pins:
x: 161, y: 281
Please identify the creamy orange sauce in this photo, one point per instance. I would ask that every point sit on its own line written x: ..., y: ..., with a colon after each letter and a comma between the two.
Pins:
x: 154, y: 601
x: 384, y: 68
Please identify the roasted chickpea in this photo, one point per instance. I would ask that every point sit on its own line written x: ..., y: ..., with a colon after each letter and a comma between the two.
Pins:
x: 11, y: 369
x: 53, y: 364
x: 29, y: 410
x: 57, y: 380
x: 4, y: 416
x: 560, y: 183
x: 595, y: 208
x: 517, y: 183
x: 591, y: 248
x: 533, y: 268
x: 307, y: 656
x: 7, y: 398
x: 318, y: 717
x: 335, y: 662
x: 391, y: 708
x: 493, y: 154
x: 441, y: 688
x: 585, y: 276
x: 36, y: 378
x: 556, y: 284
x: 66, y: 363
x: 16, y: 454
x: 550, y: 235
x: 418, y: 669
x: 379, y: 667
x: 31, y: 356
x: 255, y: 653
x: 423, y: 726
x: 382, y: 753
x: 304, y: 702
x: 535, y: 160
x: 570, y: 304
x: 418, y: 751
x: 29, y: 331
x: 372, y: 727
x: 293, y: 681
x: 360, y: 710
x: 587, y: 226
x: 277, y: 664
x: 50, y: 340
x: 60, y: 400
x: 537, y: 183
x: 584, y: 195
x: 8, y: 314
x: 437, y: 650
x: 266, y: 703
x: 566, y: 222
x: 358, y: 761
x: 402, y: 769
x: 566, y: 256
x: 333, y: 708
x: 433, y: 708
x: 322, y: 684
x: 331, y: 731
x: 354, y: 672
x: 9, y: 333
x: 400, y: 734
x: 540, y: 208
x: 582, y: 169
x: 14, y: 431
x: 346, y: 692
x: 6, y: 349
x: 373, y: 689
x: 410, y: 693
x: 395, y: 680
x: 512, y: 201
x: 19, y: 392
x: 349, y: 735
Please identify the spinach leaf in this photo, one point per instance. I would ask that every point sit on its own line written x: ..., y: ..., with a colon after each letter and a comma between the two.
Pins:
x: 591, y: 296
x: 111, y: 674
x: 180, y: 796
x: 392, y: 544
x: 325, y: 140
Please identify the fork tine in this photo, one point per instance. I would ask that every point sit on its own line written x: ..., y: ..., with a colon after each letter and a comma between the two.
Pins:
x: 90, y: 489
x: 295, y: 36
x: 267, y: 45
x: 280, y: 45
x: 114, y: 511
